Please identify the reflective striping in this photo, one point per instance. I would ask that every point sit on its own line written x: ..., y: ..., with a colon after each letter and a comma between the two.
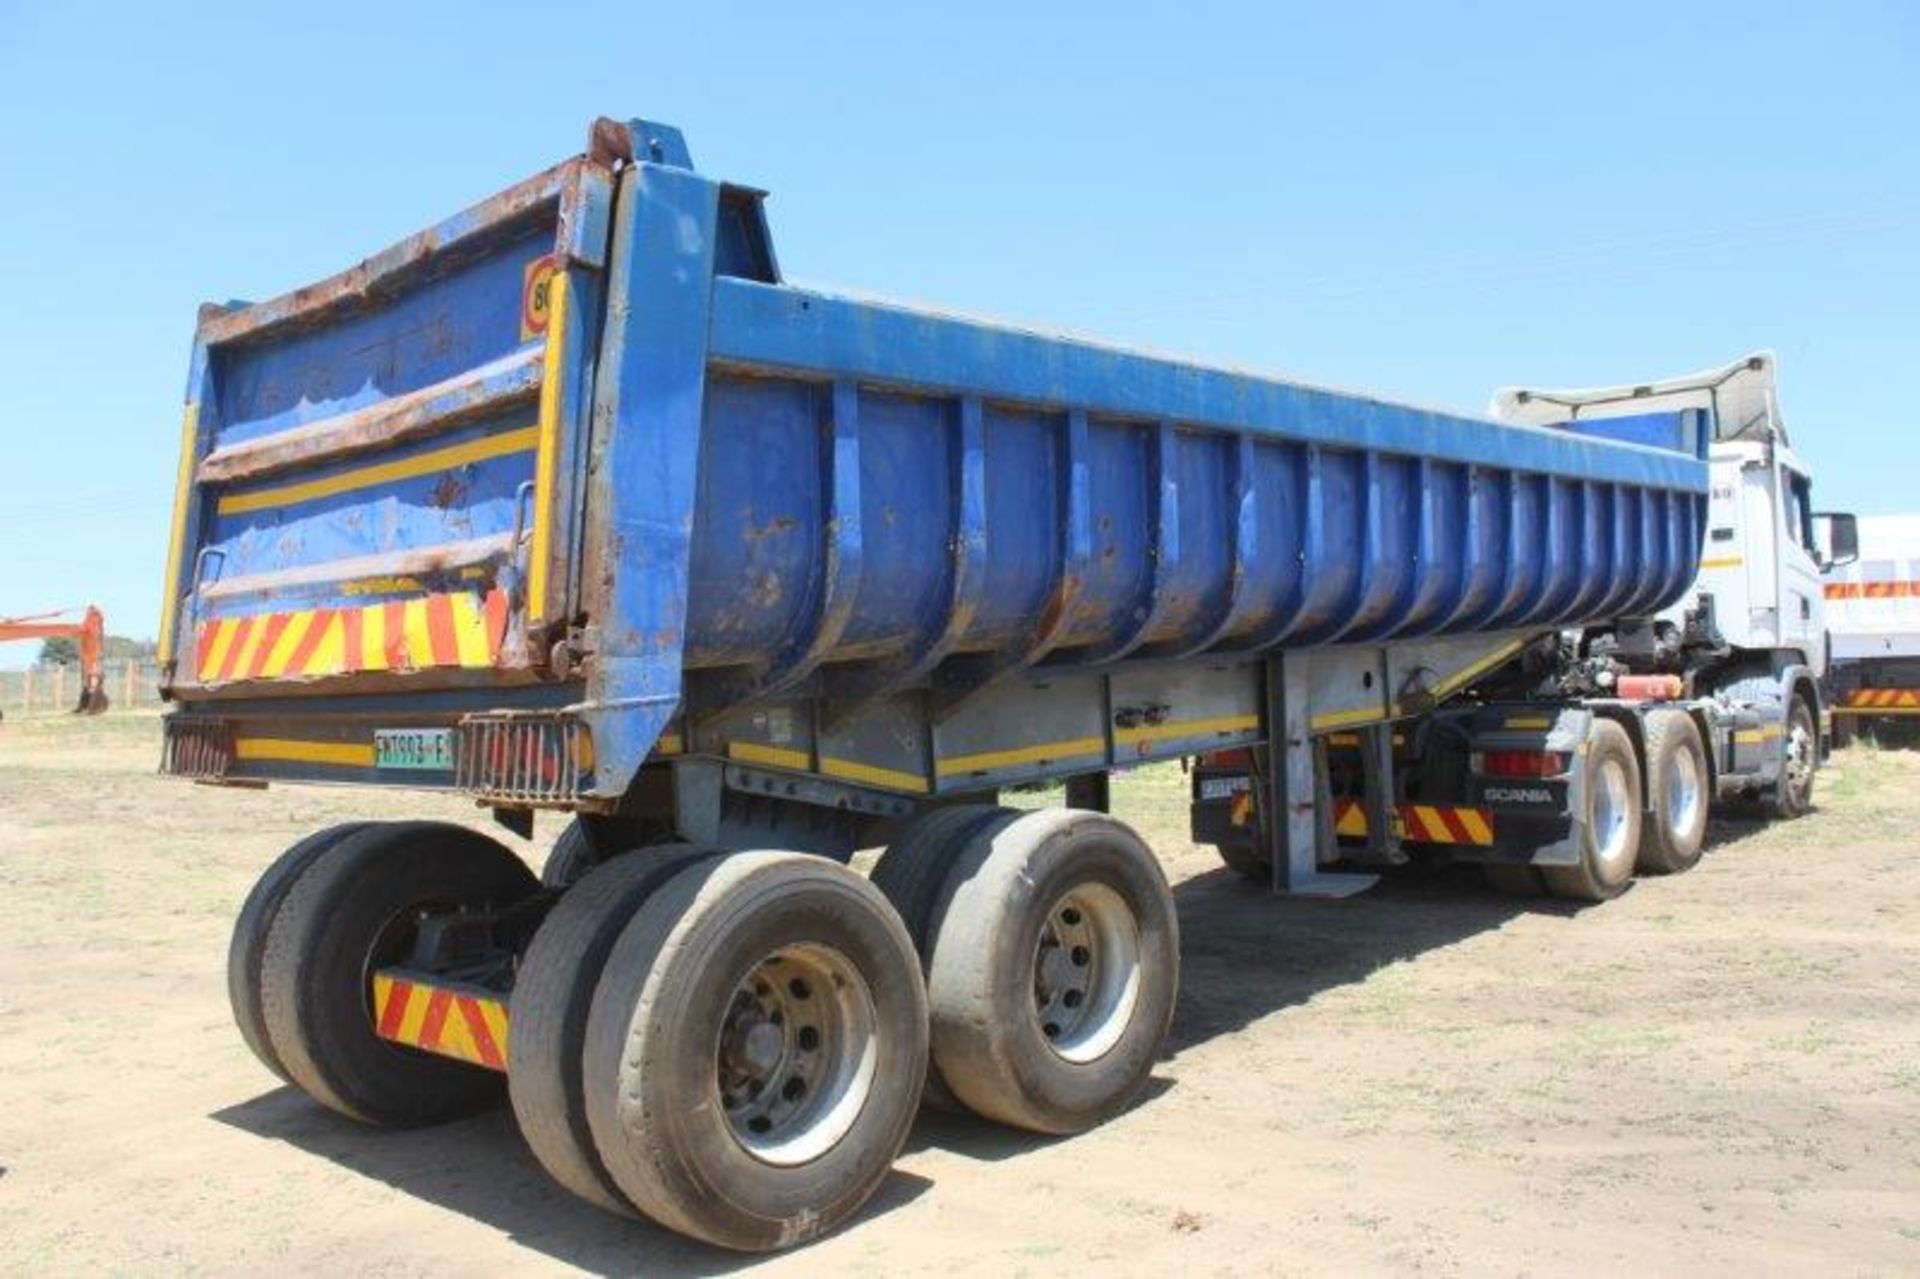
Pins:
x: 771, y: 756
x: 1151, y: 733
x: 1044, y: 753
x: 1749, y: 736
x: 1872, y: 590
x: 669, y: 744
x: 547, y: 448
x: 1723, y: 561
x: 177, y: 534
x: 1881, y: 699
x: 1528, y: 721
x: 1486, y: 663
x: 1420, y: 823
x: 448, y: 630
x: 854, y: 771
x: 287, y: 750
x: 406, y: 468
x: 469, y: 1027
x: 1342, y: 719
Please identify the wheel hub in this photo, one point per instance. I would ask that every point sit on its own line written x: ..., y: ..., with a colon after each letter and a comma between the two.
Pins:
x: 797, y: 1053
x: 1086, y: 972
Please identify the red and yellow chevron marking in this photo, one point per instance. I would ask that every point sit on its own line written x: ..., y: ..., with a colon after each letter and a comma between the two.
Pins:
x: 1880, y: 699
x: 457, y: 629
x: 440, y: 1019
x: 1872, y: 590
x: 1420, y: 823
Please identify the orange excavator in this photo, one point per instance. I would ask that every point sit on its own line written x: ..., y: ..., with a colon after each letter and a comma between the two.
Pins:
x: 90, y: 632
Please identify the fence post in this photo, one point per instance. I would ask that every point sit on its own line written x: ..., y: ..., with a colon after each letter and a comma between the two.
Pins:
x: 26, y: 691
x: 126, y: 685
x: 59, y: 687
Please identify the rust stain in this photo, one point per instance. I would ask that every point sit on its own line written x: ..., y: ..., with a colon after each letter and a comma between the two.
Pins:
x: 449, y: 493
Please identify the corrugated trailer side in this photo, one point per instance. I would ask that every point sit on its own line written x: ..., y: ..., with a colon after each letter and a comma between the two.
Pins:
x: 573, y: 503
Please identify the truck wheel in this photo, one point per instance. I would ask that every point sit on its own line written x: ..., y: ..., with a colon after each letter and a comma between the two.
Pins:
x: 911, y: 874
x: 249, y: 941
x: 1245, y: 856
x: 1792, y: 795
x: 552, y: 995
x: 351, y: 913
x: 1676, y: 794
x: 1055, y: 965
x: 572, y: 857
x: 755, y: 1050
x: 1610, y: 836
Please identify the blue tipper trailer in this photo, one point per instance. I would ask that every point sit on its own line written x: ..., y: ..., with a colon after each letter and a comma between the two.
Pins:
x: 571, y: 503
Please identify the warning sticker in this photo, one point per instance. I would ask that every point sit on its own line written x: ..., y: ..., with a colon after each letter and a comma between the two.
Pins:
x: 533, y: 298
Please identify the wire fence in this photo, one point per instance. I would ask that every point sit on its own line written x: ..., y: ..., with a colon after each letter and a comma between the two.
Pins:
x: 55, y: 687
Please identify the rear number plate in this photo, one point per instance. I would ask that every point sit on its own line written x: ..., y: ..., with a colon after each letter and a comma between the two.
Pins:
x: 430, y: 749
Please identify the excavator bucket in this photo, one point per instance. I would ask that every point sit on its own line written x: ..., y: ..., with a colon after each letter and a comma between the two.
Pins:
x: 93, y: 699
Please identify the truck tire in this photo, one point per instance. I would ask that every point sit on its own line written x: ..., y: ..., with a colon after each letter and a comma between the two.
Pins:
x: 1610, y: 833
x: 572, y: 857
x: 1247, y: 856
x: 1792, y: 795
x: 1055, y: 966
x: 1677, y: 794
x: 756, y: 1048
x: 351, y: 913
x: 552, y: 996
x: 249, y: 941
x: 912, y: 872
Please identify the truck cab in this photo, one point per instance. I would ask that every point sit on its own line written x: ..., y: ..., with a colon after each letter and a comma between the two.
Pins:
x: 1759, y: 589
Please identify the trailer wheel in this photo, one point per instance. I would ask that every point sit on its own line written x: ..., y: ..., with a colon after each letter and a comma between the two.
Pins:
x: 912, y: 872
x: 1245, y: 855
x: 1055, y: 965
x: 1610, y: 838
x: 1677, y: 794
x: 352, y: 912
x: 755, y: 1050
x: 1792, y: 795
x: 249, y: 941
x: 552, y: 996
x: 572, y: 857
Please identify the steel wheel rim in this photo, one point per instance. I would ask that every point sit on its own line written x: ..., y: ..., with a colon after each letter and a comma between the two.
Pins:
x: 1086, y: 972
x: 797, y: 1054
x: 1611, y: 806
x: 1799, y: 756
x: 1683, y: 790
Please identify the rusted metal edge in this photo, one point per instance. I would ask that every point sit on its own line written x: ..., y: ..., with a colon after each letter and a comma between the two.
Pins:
x: 408, y: 563
x: 460, y: 399
x: 393, y: 266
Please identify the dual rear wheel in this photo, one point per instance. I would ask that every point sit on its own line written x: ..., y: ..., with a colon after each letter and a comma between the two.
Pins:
x: 734, y: 1045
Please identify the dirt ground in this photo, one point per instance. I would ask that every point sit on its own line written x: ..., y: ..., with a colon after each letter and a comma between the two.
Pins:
x: 1717, y: 1073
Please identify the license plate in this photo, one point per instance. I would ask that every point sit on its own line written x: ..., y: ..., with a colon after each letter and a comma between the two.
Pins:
x: 1223, y: 787
x: 430, y: 749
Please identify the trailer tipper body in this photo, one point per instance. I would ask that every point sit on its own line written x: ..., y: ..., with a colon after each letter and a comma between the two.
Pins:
x: 572, y: 503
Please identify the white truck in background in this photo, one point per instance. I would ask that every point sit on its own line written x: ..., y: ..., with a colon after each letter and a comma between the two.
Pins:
x: 1873, y: 614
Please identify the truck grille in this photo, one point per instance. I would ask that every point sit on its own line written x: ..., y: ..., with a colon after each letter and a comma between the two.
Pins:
x: 536, y: 757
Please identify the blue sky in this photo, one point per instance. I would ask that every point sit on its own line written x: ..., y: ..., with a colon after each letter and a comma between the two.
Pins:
x: 1426, y: 201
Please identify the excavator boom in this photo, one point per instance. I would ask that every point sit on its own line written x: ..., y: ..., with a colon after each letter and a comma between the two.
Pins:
x: 91, y: 634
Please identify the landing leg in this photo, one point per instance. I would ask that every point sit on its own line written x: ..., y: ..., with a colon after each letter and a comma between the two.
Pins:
x: 1301, y: 817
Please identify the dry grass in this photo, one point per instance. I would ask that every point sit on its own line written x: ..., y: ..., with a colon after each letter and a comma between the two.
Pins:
x: 1719, y: 1072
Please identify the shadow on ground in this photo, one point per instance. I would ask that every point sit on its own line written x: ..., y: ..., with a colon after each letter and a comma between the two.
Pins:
x: 1245, y: 954
x: 481, y: 1169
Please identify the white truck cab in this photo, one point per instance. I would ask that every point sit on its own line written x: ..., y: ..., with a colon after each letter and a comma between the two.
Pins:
x: 1759, y: 588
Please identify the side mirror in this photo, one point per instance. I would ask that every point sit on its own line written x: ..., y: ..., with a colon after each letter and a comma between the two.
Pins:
x: 1839, y: 533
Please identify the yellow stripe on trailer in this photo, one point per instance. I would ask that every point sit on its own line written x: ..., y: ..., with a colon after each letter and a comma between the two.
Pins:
x: 440, y: 459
